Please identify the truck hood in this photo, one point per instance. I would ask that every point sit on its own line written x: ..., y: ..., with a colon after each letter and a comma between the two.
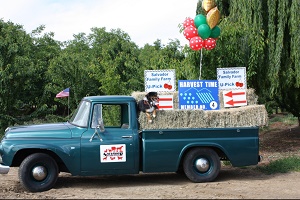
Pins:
x: 55, y: 130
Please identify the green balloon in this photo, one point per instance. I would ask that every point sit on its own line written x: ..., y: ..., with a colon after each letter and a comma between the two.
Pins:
x: 215, y: 32
x: 204, y: 31
x: 199, y: 19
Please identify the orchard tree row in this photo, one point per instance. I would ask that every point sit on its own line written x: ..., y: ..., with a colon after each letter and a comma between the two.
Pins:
x: 262, y: 36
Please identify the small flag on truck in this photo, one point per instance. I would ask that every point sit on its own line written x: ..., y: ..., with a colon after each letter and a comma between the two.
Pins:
x: 165, y: 102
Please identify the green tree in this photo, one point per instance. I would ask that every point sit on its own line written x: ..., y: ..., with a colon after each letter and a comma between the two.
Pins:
x: 115, y: 61
x: 272, y: 53
x: 23, y: 62
x: 16, y: 70
x: 262, y: 36
x: 44, y: 50
x: 71, y: 69
x: 283, y: 54
x: 161, y: 57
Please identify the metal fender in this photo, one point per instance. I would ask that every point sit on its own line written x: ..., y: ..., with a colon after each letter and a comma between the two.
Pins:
x: 199, y: 144
x: 69, y: 154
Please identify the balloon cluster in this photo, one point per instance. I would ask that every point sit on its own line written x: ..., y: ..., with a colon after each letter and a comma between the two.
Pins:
x: 202, y: 31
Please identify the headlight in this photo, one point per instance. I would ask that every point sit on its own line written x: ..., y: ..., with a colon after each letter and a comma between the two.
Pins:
x: 0, y: 153
x: 7, y: 129
x: 1, y: 150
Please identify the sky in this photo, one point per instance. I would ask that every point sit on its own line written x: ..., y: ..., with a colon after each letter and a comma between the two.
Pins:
x: 144, y: 21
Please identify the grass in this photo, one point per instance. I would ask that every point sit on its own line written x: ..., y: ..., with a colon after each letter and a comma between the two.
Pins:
x: 287, y: 164
x: 283, y: 165
x: 285, y: 118
x: 288, y: 119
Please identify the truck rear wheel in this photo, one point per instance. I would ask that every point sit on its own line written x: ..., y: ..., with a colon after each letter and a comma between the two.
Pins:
x: 201, y: 165
x: 38, y: 172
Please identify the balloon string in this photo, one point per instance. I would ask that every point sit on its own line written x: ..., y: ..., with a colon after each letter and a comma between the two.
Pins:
x: 200, y: 64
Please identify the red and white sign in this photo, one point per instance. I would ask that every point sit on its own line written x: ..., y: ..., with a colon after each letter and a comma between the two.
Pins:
x: 233, y: 98
x: 113, y: 153
x: 165, y: 102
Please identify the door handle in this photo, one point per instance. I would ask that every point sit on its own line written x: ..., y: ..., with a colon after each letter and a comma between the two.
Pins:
x: 126, y: 136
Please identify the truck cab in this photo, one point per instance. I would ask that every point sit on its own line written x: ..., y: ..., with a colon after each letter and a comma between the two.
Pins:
x: 113, y: 148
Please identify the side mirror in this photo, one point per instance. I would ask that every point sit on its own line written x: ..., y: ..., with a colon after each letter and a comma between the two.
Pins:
x: 100, y: 125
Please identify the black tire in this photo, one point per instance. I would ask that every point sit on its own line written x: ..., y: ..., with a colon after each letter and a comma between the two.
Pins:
x: 46, y: 172
x: 208, y: 172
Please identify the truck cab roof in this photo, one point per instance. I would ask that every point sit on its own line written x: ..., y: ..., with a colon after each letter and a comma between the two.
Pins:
x: 110, y: 98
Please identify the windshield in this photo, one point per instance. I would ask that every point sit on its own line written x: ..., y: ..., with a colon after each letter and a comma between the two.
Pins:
x: 81, y: 115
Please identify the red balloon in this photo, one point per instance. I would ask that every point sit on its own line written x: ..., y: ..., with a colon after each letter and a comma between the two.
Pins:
x: 190, y: 32
x: 196, y: 43
x: 188, y: 22
x: 210, y: 43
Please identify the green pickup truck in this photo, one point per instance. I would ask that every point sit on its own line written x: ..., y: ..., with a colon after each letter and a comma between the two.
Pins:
x: 103, y: 138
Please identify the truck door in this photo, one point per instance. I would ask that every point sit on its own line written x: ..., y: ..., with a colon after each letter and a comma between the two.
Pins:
x: 110, y: 151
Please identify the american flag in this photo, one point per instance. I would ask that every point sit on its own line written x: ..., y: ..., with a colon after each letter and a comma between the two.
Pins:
x: 64, y: 93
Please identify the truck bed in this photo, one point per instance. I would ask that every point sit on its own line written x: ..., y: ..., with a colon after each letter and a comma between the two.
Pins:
x: 163, y: 149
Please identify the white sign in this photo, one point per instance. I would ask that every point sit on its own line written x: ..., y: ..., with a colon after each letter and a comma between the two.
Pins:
x: 234, y: 98
x: 113, y: 153
x: 165, y: 102
x: 232, y: 78
x: 159, y: 80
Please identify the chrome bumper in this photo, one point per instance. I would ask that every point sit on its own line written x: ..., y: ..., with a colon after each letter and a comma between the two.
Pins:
x: 4, y: 169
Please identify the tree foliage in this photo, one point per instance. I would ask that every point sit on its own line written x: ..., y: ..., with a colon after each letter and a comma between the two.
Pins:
x: 262, y: 36
x: 16, y: 69
x: 273, y: 58
x: 115, y: 61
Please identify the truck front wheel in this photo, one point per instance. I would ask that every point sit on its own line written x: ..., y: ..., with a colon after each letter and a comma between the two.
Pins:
x: 38, y: 172
x: 201, y: 165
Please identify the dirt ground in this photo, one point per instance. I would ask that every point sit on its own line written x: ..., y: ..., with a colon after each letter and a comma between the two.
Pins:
x: 232, y: 183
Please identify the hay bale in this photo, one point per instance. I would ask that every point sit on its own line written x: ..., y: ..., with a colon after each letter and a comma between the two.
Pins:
x: 253, y: 115
x: 246, y: 116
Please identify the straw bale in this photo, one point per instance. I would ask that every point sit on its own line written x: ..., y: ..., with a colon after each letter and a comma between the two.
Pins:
x: 246, y: 116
